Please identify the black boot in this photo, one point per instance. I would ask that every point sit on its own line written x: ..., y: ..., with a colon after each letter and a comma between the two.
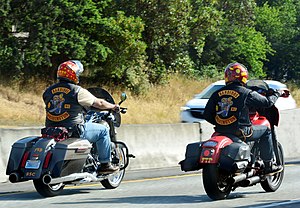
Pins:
x: 271, y: 168
x: 107, y: 168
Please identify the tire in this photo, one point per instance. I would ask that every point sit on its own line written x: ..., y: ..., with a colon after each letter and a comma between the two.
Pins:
x: 48, y: 190
x: 114, y: 180
x: 214, y: 182
x: 272, y: 183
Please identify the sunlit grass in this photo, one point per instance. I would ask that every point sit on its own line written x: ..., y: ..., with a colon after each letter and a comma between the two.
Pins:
x: 161, y: 104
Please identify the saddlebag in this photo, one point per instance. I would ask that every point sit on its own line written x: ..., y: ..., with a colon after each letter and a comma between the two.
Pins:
x: 69, y: 156
x: 235, y: 157
x: 192, y: 156
x: 17, y: 152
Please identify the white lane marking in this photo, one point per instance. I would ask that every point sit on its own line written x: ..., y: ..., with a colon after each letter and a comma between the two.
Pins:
x: 277, y: 204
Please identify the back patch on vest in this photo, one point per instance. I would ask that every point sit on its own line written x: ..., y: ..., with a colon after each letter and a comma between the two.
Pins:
x: 224, y: 107
x: 56, y: 106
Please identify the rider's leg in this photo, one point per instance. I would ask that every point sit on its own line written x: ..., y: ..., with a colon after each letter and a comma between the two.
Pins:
x: 265, y: 144
x: 99, y: 134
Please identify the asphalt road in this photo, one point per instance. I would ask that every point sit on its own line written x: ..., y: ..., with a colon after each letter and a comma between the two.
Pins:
x: 155, y: 188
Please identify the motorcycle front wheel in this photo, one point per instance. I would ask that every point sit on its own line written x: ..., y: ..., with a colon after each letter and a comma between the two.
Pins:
x: 214, y: 182
x: 115, y: 179
x: 48, y: 190
x: 273, y: 182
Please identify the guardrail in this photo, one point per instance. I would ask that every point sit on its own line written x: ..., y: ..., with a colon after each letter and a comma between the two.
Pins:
x: 162, y: 145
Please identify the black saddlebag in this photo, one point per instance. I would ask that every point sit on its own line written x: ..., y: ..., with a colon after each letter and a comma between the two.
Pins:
x: 17, y: 151
x: 192, y: 157
x: 235, y: 157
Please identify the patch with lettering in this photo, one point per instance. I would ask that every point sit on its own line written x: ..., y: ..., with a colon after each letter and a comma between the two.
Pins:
x: 56, y: 105
x: 226, y: 121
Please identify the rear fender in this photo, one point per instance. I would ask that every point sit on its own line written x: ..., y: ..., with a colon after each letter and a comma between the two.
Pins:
x: 211, y: 149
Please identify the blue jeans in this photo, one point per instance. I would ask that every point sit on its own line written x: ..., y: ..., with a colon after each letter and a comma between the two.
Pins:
x: 99, y: 134
x: 265, y: 144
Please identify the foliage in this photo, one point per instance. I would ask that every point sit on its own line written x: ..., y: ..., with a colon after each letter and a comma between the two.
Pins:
x: 138, y: 43
x: 279, y: 22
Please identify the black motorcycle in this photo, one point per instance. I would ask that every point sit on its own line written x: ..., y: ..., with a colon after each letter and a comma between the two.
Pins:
x: 56, y: 158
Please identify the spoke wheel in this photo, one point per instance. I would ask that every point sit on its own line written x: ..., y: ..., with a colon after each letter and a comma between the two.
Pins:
x: 115, y: 179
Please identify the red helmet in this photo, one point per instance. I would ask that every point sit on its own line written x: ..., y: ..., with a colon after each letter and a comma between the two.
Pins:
x: 236, y: 72
x: 70, y: 70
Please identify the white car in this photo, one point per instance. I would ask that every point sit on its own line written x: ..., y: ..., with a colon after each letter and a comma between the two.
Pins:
x: 193, y: 110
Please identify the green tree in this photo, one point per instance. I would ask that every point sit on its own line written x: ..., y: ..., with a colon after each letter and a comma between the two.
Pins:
x: 235, y: 39
x: 166, y: 34
x: 279, y: 22
x: 69, y: 29
x: 10, y: 46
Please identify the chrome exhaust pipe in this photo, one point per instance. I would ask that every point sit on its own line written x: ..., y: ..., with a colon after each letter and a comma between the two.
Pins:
x: 237, y: 178
x: 241, y: 177
x: 79, y: 177
x: 46, y: 179
x: 14, y: 178
x: 252, y: 180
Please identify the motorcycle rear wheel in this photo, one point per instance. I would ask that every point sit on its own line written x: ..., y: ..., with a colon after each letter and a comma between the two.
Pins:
x: 272, y: 183
x: 115, y: 179
x: 214, y: 182
x: 48, y: 190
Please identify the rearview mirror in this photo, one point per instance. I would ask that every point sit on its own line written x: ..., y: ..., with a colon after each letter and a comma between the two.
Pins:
x: 123, y: 97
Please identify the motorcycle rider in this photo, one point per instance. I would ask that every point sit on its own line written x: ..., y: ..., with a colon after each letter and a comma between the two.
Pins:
x: 228, y: 110
x: 65, y: 102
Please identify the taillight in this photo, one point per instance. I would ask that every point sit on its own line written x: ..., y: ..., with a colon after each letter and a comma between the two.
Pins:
x: 24, y: 159
x: 47, y: 159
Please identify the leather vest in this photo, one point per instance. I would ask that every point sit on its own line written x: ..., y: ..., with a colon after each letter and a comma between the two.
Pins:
x: 232, y: 113
x: 62, y: 107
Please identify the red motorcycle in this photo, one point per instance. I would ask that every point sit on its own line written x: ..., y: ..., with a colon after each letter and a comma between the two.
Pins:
x: 229, y: 163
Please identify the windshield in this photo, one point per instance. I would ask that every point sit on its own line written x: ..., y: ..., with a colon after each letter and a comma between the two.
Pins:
x: 207, y: 92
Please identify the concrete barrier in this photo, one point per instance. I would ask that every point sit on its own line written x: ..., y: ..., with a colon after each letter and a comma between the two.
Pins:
x: 159, y: 145
x: 155, y: 146
x: 162, y: 145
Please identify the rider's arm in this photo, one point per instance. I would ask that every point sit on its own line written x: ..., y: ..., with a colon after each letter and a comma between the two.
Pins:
x: 104, y: 105
x: 210, y: 111
x: 87, y: 99
x: 254, y: 99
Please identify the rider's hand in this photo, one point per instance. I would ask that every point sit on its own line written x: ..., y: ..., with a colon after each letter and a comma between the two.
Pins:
x: 270, y: 92
x: 282, y: 93
x: 116, y: 108
x: 285, y: 93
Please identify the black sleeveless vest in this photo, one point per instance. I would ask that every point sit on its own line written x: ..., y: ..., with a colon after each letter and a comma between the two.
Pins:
x: 231, y: 110
x: 62, y: 107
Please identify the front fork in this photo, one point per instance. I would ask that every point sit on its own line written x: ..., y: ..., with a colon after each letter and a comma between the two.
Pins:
x: 115, y: 146
x: 122, y: 146
x: 275, y: 146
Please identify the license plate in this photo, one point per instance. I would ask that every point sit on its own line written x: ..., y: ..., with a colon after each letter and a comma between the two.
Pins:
x: 33, y: 164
